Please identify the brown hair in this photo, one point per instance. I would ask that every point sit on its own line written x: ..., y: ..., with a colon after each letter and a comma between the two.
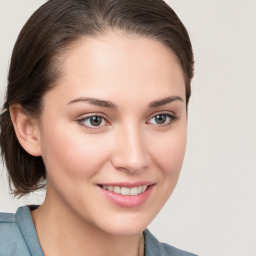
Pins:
x: 49, y: 31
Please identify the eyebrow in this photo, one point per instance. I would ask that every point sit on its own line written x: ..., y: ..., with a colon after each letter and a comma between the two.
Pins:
x: 96, y: 102
x: 109, y: 104
x: 158, y: 103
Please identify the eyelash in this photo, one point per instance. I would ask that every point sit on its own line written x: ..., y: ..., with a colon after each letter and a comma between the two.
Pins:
x: 171, y: 118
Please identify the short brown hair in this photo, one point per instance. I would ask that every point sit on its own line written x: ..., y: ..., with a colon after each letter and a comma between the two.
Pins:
x: 49, y: 31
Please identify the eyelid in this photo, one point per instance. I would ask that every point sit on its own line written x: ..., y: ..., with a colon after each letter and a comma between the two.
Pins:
x: 85, y: 115
x: 170, y: 113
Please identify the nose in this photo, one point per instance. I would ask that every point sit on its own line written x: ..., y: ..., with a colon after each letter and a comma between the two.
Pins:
x: 130, y: 151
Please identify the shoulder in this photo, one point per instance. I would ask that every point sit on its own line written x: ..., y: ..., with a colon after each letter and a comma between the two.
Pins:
x: 12, y: 242
x: 7, y: 217
x: 154, y: 247
x: 8, y: 226
x: 170, y: 250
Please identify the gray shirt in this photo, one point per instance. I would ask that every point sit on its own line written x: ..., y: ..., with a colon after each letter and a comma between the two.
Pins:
x: 18, y: 238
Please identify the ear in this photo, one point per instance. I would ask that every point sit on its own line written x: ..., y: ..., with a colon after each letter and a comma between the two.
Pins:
x: 26, y: 129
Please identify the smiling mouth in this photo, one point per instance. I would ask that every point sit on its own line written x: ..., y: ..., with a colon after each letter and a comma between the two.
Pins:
x: 127, y: 195
x: 133, y: 191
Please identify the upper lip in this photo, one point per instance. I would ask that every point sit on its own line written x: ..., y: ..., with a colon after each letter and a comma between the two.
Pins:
x: 128, y: 184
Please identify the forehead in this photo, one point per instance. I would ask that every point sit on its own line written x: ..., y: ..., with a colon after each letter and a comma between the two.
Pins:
x: 117, y: 62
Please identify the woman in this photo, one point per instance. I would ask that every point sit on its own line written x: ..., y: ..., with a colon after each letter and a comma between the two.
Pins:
x: 96, y: 109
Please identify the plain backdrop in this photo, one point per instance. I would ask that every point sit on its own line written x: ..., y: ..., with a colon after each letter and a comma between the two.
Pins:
x: 212, y: 212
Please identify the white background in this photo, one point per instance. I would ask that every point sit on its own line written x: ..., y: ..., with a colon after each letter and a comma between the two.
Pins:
x: 213, y: 209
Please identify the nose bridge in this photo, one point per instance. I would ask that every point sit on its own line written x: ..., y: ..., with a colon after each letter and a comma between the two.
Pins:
x: 131, y: 151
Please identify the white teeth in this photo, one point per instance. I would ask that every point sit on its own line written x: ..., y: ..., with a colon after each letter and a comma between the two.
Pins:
x: 125, y: 191
x: 144, y: 187
x: 117, y: 189
x: 134, y: 191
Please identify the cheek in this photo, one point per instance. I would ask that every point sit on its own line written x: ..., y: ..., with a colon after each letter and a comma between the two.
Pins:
x: 72, y: 154
x: 169, y: 150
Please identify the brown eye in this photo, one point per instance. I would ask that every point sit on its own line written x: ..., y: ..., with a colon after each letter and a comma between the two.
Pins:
x: 162, y: 119
x: 93, y: 121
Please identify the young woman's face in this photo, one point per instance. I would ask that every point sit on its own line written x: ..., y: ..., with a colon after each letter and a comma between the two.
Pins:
x: 113, y: 132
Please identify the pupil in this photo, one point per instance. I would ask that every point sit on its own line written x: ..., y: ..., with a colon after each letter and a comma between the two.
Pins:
x: 160, y: 119
x: 95, y: 120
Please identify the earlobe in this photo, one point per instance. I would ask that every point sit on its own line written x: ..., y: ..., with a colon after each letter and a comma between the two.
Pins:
x: 26, y: 129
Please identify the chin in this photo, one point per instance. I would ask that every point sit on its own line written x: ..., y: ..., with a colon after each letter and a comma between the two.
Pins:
x: 122, y: 231
x: 128, y: 225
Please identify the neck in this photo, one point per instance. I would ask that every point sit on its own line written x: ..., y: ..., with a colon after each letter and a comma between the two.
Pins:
x: 61, y: 232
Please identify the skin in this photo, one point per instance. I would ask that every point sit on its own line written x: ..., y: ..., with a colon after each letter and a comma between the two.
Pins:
x: 128, y: 146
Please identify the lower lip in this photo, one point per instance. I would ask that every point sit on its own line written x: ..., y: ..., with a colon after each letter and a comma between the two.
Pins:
x: 128, y: 201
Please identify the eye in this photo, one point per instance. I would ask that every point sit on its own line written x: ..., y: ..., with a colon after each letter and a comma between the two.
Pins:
x: 93, y: 121
x: 162, y: 119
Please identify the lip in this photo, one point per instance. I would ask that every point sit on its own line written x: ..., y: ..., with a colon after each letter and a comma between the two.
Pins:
x: 127, y: 201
